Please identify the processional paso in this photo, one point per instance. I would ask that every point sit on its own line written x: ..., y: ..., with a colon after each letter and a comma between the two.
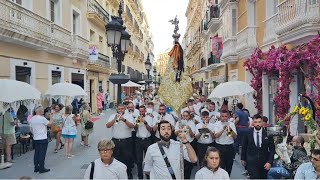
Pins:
x: 176, y: 85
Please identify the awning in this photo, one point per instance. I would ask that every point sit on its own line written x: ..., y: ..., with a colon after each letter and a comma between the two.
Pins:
x: 131, y: 84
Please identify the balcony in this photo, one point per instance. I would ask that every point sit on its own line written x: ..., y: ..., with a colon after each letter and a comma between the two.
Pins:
x: 297, y: 19
x: 246, y: 42
x: 229, y: 53
x: 213, y: 23
x: 80, y: 47
x: 135, y: 6
x: 100, y: 65
x: 21, y: 26
x: 97, y: 14
x: 269, y: 32
x: 127, y: 18
x: 61, y: 39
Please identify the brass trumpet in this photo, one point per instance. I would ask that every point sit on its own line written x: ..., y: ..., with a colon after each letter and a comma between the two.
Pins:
x: 139, y: 120
x: 206, y: 135
x: 118, y: 117
x: 229, y: 131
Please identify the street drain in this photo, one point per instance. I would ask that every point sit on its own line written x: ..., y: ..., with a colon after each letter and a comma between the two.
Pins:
x: 85, y: 166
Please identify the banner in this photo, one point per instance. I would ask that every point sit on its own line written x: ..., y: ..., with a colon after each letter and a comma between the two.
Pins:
x: 93, y: 53
x: 217, y: 47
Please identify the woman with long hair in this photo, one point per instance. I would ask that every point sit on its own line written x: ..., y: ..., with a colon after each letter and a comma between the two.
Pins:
x: 211, y: 166
x: 69, y: 130
x: 57, y: 124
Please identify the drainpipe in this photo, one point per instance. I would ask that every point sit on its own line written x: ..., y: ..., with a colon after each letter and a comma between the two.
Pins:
x: 226, y: 72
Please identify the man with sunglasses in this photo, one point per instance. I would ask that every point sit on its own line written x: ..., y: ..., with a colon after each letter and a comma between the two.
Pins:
x: 310, y: 170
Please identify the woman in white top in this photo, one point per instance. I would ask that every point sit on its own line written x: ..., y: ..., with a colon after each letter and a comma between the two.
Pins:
x: 69, y: 130
x: 211, y: 168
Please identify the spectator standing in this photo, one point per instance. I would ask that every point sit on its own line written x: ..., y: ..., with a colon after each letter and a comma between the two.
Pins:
x: 57, y: 118
x: 69, y: 131
x: 38, y: 125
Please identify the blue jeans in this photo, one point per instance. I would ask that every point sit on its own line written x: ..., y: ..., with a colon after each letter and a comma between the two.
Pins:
x: 241, y: 132
x: 40, y: 151
x: 278, y: 173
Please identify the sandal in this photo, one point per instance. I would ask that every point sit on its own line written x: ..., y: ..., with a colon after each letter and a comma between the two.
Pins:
x: 62, y: 145
x: 55, y: 150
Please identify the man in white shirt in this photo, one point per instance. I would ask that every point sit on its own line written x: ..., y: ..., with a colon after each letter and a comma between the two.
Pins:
x: 163, y: 116
x: 187, y: 125
x: 121, y: 125
x: 134, y: 113
x: 213, y: 114
x: 106, y: 167
x: 155, y: 164
x: 38, y: 125
x: 225, y: 133
x: 205, y: 136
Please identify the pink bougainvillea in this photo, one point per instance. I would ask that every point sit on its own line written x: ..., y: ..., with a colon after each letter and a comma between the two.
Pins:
x: 285, y: 64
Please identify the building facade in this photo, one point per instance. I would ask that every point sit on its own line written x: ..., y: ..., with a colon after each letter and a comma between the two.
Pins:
x: 44, y: 42
x: 162, y: 62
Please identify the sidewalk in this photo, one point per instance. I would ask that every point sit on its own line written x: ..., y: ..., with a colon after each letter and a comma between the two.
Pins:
x: 62, y: 168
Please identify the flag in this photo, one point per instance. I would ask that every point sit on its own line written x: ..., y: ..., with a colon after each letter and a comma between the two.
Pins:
x: 217, y: 47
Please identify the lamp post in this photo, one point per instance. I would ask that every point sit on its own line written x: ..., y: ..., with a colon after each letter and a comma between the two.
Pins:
x: 148, y: 68
x: 119, y: 41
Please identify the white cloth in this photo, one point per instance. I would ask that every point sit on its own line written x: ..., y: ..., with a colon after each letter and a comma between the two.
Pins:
x: 167, y: 117
x: 205, y: 173
x: 192, y: 126
x: 38, y: 126
x: 155, y: 164
x: 214, y: 116
x: 203, y: 140
x: 255, y: 132
x: 115, y: 170
x: 142, y: 131
x: 120, y: 130
x: 69, y: 126
x: 224, y: 139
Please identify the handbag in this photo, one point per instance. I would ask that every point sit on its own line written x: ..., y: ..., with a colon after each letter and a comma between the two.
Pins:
x: 165, y: 158
x: 88, y: 124
x: 56, y: 129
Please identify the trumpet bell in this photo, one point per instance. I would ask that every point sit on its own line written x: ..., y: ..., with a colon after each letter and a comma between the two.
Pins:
x: 138, y: 121
x: 206, y: 136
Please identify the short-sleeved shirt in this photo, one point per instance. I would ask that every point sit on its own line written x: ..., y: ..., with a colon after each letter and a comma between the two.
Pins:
x: 142, y: 131
x: 306, y: 171
x: 243, y: 118
x: 8, y: 119
x: 224, y: 139
x: 155, y: 164
x: 192, y: 126
x: 38, y: 126
x: 203, y: 140
x: 120, y: 130
x: 205, y: 173
x: 115, y: 170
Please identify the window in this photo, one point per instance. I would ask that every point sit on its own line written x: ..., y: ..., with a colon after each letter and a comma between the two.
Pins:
x: 92, y: 35
x: 56, y: 77
x: 52, y: 10
x: 100, y: 86
x: 273, y: 85
x: 76, y: 22
x: 234, y: 22
x: 17, y: 2
x: 23, y: 74
x: 101, y: 43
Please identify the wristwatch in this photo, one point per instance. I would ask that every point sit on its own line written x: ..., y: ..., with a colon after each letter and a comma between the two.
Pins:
x: 124, y: 120
x: 145, y: 122
x: 185, y: 142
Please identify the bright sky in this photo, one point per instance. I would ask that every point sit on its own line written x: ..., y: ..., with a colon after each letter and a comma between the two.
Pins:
x: 159, y: 12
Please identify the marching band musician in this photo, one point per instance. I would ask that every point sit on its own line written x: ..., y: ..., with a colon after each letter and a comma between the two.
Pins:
x: 121, y: 125
x: 205, y: 139
x: 143, y: 126
x: 163, y: 116
x: 213, y: 114
x: 187, y: 125
x: 150, y: 110
x: 191, y: 108
x: 225, y: 133
x: 132, y: 111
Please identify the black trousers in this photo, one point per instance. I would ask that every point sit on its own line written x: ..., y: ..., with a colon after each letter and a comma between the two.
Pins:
x: 202, y: 149
x: 141, y: 147
x: 134, y: 146
x: 256, y: 170
x: 188, y: 166
x: 40, y: 151
x: 226, y: 156
x: 123, y: 152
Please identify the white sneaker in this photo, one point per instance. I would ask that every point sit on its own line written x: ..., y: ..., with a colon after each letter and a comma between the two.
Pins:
x: 82, y: 143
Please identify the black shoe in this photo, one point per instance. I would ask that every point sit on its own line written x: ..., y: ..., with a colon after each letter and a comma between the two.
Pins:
x: 62, y: 145
x: 130, y: 176
x: 44, y: 170
x: 36, y: 170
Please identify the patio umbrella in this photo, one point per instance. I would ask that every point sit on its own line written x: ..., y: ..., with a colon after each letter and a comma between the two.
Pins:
x: 13, y: 93
x: 233, y: 89
x: 131, y: 84
x: 65, y: 90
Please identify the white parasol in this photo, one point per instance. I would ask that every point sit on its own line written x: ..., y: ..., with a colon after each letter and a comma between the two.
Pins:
x: 131, y: 84
x: 12, y: 94
x: 68, y: 90
x: 233, y: 89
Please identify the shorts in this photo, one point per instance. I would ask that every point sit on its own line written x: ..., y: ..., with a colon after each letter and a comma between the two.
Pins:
x: 66, y: 136
x: 10, y: 139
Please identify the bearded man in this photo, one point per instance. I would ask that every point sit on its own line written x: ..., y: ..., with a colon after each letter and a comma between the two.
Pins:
x: 162, y: 160
x: 257, y: 150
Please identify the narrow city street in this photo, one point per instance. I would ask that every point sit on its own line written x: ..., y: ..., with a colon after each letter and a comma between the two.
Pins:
x: 62, y: 168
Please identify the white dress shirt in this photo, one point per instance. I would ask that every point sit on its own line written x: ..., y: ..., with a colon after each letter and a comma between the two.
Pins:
x: 203, y: 140
x: 120, y: 130
x: 255, y: 132
x: 38, y: 126
x: 224, y: 139
x: 142, y: 131
x: 192, y: 126
x: 103, y: 171
x: 155, y: 164
x: 167, y: 117
x: 205, y: 173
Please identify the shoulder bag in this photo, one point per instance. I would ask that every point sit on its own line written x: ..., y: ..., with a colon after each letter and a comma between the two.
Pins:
x: 88, y: 124
x: 165, y: 158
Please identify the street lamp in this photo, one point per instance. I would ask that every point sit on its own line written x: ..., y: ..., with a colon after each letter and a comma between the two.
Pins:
x: 119, y: 41
x: 155, y: 75
x: 148, y: 68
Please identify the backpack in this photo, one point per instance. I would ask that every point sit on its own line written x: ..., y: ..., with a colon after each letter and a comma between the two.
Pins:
x: 92, y: 170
